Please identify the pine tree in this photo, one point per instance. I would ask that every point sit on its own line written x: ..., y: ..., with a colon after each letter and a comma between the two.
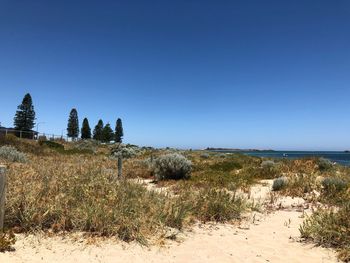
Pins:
x: 73, y: 124
x: 98, y: 131
x: 119, y: 131
x: 25, y: 114
x: 85, y: 129
x: 107, y: 133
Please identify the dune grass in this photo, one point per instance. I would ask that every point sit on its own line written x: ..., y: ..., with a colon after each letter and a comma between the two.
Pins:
x: 63, y: 193
x: 60, y: 192
x: 71, y: 193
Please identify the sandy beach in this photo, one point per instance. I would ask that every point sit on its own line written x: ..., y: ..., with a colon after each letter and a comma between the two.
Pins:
x: 272, y: 237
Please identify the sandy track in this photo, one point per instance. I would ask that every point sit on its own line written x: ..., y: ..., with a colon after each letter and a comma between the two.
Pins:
x: 273, y: 239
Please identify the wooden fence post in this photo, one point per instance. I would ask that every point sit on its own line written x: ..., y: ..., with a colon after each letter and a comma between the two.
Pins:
x: 120, y: 164
x: 2, y: 195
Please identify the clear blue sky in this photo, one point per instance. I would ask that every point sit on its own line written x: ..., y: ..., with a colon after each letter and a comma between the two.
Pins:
x: 245, y: 74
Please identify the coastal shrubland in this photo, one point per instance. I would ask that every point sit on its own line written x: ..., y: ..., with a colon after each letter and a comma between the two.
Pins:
x: 77, y: 190
x: 80, y: 192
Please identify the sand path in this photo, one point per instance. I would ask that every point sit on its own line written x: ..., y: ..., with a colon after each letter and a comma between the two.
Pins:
x: 273, y: 239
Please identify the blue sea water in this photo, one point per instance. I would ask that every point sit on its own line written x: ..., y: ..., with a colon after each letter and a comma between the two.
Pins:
x: 342, y: 158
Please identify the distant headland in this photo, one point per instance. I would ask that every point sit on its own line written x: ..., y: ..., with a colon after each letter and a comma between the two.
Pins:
x: 237, y: 150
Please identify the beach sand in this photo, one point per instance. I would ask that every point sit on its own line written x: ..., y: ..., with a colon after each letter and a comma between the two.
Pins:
x: 272, y: 237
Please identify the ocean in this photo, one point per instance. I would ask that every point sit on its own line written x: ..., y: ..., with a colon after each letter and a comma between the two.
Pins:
x: 342, y: 158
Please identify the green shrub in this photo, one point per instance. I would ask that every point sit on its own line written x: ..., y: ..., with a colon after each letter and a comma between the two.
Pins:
x: 11, y: 154
x: 333, y: 184
x: 125, y: 151
x: 324, y: 164
x: 279, y: 183
x: 172, y: 166
x: 268, y: 169
x: 333, y: 190
x: 330, y: 229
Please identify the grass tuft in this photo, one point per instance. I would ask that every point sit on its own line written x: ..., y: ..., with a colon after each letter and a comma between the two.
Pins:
x: 7, y: 240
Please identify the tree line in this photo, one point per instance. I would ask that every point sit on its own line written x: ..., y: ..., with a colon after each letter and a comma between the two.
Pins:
x: 24, y: 120
x: 101, y: 132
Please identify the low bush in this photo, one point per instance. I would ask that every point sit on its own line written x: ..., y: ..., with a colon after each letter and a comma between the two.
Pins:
x: 205, y: 155
x: 330, y: 229
x: 125, y: 151
x: 333, y: 190
x: 268, y: 170
x: 11, y: 154
x: 267, y: 164
x: 172, y: 166
x: 333, y: 184
x: 279, y: 183
x: 324, y: 164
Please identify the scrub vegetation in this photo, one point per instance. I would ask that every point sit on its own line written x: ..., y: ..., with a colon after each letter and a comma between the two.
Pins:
x: 74, y: 187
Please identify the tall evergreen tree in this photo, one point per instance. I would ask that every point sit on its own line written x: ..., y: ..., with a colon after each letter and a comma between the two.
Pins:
x: 73, y: 124
x: 85, y: 129
x: 119, y: 131
x: 107, y: 133
x: 98, y: 131
x: 25, y: 114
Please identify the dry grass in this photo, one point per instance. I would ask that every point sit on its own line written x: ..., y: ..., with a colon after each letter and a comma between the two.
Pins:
x: 58, y: 192
x: 7, y: 240
x: 79, y: 192
x: 65, y: 193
